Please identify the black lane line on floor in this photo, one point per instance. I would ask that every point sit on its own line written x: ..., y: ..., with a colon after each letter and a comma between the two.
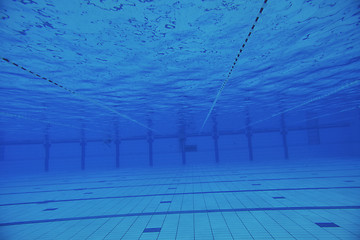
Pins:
x: 173, y: 194
x: 179, y: 212
x: 175, y: 177
x: 183, y: 183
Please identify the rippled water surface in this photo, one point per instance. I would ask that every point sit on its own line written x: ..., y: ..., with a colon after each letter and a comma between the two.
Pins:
x: 136, y: 64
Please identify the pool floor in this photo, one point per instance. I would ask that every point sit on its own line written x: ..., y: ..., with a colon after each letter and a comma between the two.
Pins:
x: 289, y: 200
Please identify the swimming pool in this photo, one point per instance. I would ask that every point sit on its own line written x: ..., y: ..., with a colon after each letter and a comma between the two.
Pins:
x: 143, y: 119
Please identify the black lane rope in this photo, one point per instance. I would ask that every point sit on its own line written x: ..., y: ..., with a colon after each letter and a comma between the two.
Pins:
x: 234, y: 63
x: 77, y: 94
x: 37, y: 75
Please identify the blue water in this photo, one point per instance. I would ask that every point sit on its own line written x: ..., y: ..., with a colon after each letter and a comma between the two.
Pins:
x: 141, y: 119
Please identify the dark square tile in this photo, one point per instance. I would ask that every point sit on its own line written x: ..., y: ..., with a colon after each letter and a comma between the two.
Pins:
x: 88, y: 193
x: 152, y: 230
x: 50, y: 209
x: 349, y: 181
x: 327, y: 224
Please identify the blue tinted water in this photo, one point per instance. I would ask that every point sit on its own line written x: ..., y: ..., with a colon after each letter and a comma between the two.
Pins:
x: 159, y: 119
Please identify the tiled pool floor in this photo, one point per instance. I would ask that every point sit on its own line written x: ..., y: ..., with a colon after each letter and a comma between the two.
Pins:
x: 280, y: 201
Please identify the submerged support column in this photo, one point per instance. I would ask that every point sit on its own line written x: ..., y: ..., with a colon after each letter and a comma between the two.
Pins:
x: 117, y: 144
x: 216, y: 145
x: 47, y: 153
x: 83, y: 144
x: 359, y: 120
x: 284, y: 137
x: 117, y: 156
x: 182, y: 141
x: 2, y: 150
x: 150, y: 140
x: 2, y: 153
x: 248, y: 133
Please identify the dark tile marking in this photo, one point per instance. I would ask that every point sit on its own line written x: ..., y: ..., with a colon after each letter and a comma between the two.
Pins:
x: 180, y: 212
x: 327, y: 224
x: 146, y: 230
x: 184, y: 193
x: 278, y: 197
x: 165, y: 202
x: 50, y: 209
x: 170, y: 188
x: 349, y: 181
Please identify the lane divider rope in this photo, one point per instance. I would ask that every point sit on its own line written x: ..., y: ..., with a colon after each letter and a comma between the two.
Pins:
x: 78, y: 95
x: 233, y: 65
